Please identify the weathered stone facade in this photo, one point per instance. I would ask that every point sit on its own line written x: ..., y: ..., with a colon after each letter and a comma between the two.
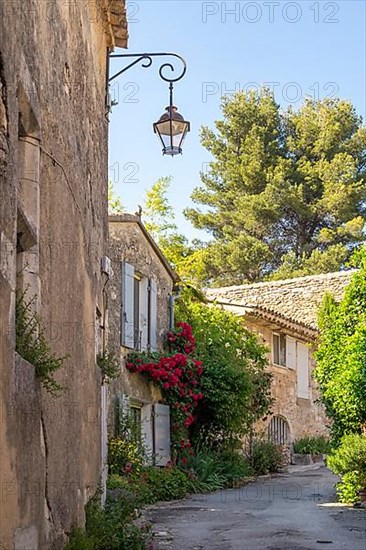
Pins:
x: 130, y: 242
x: 304, y: 416
x: 53, y: 228
x: 287, y: 309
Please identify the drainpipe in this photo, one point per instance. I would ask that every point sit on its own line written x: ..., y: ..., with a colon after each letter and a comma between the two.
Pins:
x: 106, y: 270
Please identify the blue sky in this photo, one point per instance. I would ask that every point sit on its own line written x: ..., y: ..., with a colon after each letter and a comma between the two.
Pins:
x: 300, y: 49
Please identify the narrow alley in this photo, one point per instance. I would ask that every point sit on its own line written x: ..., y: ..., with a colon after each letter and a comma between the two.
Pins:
x: 294, y: 511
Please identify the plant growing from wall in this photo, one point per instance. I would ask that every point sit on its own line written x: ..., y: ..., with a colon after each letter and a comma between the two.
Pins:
x: 108, y: 363
x: 110, y: 528
x: 32, y: 345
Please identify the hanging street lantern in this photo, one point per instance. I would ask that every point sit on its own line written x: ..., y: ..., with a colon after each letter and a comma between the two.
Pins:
x: 171, y: 126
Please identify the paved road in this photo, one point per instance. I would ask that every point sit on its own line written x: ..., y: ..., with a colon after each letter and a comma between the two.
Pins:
x: 295, y: 511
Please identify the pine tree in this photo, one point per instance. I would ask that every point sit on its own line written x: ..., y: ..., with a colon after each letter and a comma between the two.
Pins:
x: 285, y: 192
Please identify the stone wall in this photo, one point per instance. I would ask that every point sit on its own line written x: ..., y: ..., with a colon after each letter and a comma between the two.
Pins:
x: 52, y: 89
x: 304, y: 416
x: 128, y: 243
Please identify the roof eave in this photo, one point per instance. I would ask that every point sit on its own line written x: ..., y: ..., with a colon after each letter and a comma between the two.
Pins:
x: 301, y: 329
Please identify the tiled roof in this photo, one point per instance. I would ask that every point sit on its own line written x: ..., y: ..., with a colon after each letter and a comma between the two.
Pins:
x: 297, y: 300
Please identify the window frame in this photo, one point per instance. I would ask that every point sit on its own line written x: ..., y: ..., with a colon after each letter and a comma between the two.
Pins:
x: 139, y: 322
x: 279, y: 335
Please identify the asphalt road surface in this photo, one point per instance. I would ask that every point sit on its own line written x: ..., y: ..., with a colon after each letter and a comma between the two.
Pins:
x: 294, y: 511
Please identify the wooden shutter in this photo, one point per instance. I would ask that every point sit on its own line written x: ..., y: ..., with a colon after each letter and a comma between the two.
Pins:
x: 290, y: 352
x: 153, y: 317
x: 144, y: 313
x: 302, y: 370
x: 147, y: 431
x: 161, y: 434
x: 127, y: 305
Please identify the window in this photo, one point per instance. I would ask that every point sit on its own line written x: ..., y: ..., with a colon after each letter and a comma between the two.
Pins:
x: 136, y: 420
x: 147, y: 423
x: 138, y: 310
x: 278, y: 431
x: 279, y: 349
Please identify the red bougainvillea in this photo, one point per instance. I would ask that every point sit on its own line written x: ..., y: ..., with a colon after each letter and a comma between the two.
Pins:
x: 177, y: 373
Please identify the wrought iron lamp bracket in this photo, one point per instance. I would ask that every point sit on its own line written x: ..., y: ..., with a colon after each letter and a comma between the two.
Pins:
x: 147, y: 60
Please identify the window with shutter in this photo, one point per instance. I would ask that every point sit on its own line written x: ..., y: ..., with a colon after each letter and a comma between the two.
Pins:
x: 290, y: 352
x: 127, y: 305
x: 161, y: 434
x: 153, y: 314
x: 302, y: 370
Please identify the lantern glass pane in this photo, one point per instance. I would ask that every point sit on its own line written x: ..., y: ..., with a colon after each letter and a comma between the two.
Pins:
x: 177, y: 127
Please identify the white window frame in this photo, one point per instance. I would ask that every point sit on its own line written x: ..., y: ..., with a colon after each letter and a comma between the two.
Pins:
x: 155, y: 427
x: 279, y: 335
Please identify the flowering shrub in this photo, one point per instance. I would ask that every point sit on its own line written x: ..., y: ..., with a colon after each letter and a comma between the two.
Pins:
x: 177, y: 373
x: 124, y: 456
x: 236, y: 383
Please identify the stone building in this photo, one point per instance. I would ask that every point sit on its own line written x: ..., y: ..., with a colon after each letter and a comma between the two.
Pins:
x: 141, y: 310
x: 53, y: 234
x: 284, y: 313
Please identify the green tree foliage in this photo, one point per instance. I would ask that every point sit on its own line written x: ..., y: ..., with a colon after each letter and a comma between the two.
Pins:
x: 188, y: 259
x: 341, y: 356
x: 115, y: 205
x: 285, y: 192
x: 158, y: 214
x: 235, y: 382
x: 349, y: 462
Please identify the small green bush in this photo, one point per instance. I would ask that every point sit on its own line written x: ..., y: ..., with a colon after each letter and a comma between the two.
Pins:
x: 348, y: 488
x: 208, y: 470
x: 203, y: 472
x: 349, y: 462
x: 166, y: 483
x: 312, y: 445
x: 266, y: 457
x: 151, y: 485
x: 234, y: 467
x: 111, y: 528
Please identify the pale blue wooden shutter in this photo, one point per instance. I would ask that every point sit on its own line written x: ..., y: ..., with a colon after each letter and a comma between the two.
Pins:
x: 153, y: 321
x: 161, y: 434
x: 144, y: 313
x: 127, y: 305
